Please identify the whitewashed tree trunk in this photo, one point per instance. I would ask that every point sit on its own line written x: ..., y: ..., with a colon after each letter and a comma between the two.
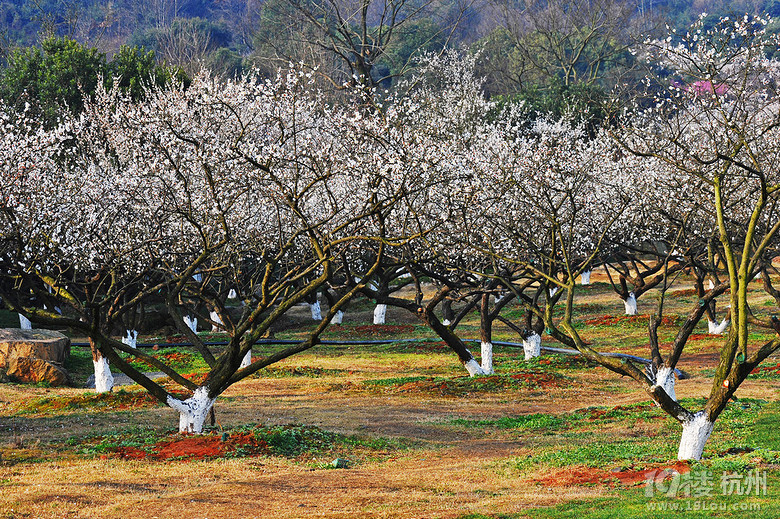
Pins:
x: 131, y: 339
x: 192, y: 323
x: 337, y: 318
x: 532, y: 346
x: 665, y: 379
x: 630, y: 304
x: 104, y: 380
x: 193, y: 411
x: 487, y: 357
x: 718, y: 329
x: 695, y: 434
x: 380, y: 314
x: 247, y: 360
x: 232, y: 294
x: 316, y: 311
x: 474, y: 368
x: 217, y: 321
x: 24, y: 323
x: 586, y: 278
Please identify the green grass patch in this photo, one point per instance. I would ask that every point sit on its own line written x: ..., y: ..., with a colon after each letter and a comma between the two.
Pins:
x: 297, y: 371
x: 522, y: 422
x: 116, y: 401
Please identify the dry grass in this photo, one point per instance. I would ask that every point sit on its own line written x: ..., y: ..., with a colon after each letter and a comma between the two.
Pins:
x: 451, y: 471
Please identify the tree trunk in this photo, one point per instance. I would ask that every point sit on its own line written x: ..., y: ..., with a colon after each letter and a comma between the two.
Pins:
x: 104, y: 380
x: 192, y: 323
x: 380, y: 314
x: 630, y: 304
x: 474, y: 368
x: 194, y: 411
x: 718, y: 329
x: 487, y: 357
x: 532, y: 346
x: 316, y: 311
x: 247, y: 360
x: 337, y: 318
x: 486, y: 334
x: 665, y: 379
x: 131, y: 339
x: 446, y: 312
x: 217, y: 321
x: 24, y: 323
x: 586, y: 278
x: 696, y: 432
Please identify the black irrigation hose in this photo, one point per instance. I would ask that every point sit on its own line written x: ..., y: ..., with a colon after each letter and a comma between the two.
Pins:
x: 681, y: 374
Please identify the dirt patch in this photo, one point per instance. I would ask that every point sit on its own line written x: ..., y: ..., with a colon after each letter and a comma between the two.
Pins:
x: 383, y: 330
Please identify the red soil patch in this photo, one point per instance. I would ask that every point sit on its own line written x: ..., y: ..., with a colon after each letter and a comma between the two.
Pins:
x: 610, y: 320
x: 767, y: 370
x: 571, y: 476
x: 187, y: 447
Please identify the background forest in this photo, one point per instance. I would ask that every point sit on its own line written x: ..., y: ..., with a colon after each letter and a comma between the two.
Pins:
x: 552, y: 55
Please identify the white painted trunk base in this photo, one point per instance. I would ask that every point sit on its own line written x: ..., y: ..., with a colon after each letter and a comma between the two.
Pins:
x: 474, y: 368
x: 665, y: 379
x: 487, y: 357
x: 532, y: 346
x: 216, y: 327
x: 718, y: 329
x: 104, y: 380
x: 191, y: 322
x: 193, y: 411
x: 586, y: 278
x: 247, y: 360
x: 695, y: 434
x: 337, y: 318
x: 24, y: 323
x: 630, y: 304
x: 316, y: 311
x: 131, y: 339
x: 380, y: 314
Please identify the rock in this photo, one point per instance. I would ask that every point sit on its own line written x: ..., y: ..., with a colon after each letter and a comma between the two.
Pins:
x: 34, y: 355
x: 37, y: 344
x: 28, y: 369
x: 339, y: 463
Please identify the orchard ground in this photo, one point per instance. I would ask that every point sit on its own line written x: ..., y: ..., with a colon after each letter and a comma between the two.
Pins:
x: 551, y: 437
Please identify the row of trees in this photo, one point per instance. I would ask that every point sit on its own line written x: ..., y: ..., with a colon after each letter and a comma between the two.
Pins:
x: 267, y: 191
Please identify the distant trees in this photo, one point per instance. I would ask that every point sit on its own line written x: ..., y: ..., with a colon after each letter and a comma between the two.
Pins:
x: 61, y: 74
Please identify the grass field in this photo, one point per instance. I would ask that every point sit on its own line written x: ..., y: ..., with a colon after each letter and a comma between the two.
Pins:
x: 399, y: 431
